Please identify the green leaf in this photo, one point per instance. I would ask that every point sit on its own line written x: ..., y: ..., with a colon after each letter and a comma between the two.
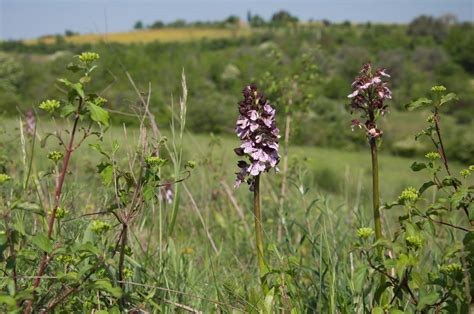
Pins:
x: 447, y: 98
x: 67, y: 109
x: 106, y: 172
x: 418, y: 103
x: 417, y: 166
x: 426, y: 186
x: 79, y: 90
x: 73, y: 67
x: 360, y: 277
x: 98, y: 114
x: 7, y: 300
x: 31, y: 207
x: 42, y: 242
x: 427, y: 299
x: 106, y: 286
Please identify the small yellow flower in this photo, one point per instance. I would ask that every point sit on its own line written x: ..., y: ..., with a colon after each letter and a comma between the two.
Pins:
x: 365, y: 233
x: 438, y: 89
x: 410, y: 194
x: 89, y: 57
x: 50, y: 105
x: 4, y: 178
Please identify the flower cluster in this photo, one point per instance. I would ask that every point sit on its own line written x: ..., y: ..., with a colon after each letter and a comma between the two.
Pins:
x: 369, y: 93
x: 30, y: 122
x: 89, y: 57
x: 433, y: 155
x: 256, y: 128
x: 55, y: 156
x: 4, y: 178
x: 414, y: 241
x: 410, y: 194
x: 50, y: 105
x: 166, y: 192
x: 452, y: 268
x: 365, y: 233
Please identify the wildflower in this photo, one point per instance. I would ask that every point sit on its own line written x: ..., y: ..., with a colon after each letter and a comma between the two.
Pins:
x: 50, y: 105
x: 453, y: 268
x: 167, y: 192
x: 410, y: 194
x: 99, y: 101
x: 414, y: 241
x: 465, y: 173
x: 30, y: 122
x: 154, y: 161
x: 438, y: 89
x: 369, y: 93
x: 191, y: 164
x: 98, y: 226
x: 4, y: 178
x: 256, y: 127
x: 365, y: 233
x: 433, y: 156
x: 55, y: 156
x: 60, y: 212
x: 89, y: 57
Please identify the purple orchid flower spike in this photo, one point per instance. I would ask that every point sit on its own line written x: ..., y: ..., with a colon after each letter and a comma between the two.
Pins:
x: 369, y: 93
x: 256, y: 128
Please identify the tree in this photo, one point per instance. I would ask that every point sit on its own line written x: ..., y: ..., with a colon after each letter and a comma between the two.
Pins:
x: 427, y: 26
x: 257, y: 21
x: 180, y: 23
x: 138, y: 25
x: 232, y: 20
x: 157, y: 24
x: 283, y: 18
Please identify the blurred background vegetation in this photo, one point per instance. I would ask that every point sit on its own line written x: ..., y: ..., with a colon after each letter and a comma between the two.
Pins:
x: 226, y: 55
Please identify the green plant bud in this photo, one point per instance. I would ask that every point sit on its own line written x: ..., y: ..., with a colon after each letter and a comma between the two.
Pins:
x: 438, y: 89
x: 365, y: 233
x: 155, y: 161
x: 433, y: 155
x: 89, y: 57
x: 60, y: 212
x: 99, y: 101
x: 4, y: 178
x: 55, y: 156
x: 449, y: 269
x: 410, y: 194
x: 127, y: 272
x: 98, y: 226
x: 191, y: 164
x: 50, y: 105
x: 414, y: 241
x: 465, y: 173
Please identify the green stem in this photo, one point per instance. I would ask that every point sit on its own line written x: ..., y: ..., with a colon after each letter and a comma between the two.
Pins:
x: 259, y: 232
x: 375, y: 189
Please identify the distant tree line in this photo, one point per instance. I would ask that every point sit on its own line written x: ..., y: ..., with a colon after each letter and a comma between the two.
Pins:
x: 280, y: 18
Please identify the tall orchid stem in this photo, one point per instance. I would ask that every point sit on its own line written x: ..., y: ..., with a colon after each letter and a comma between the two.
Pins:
x: 375, y: 189
x: 259, y: 232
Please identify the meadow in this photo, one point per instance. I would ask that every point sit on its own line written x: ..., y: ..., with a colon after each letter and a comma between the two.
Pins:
x: 148, y: 219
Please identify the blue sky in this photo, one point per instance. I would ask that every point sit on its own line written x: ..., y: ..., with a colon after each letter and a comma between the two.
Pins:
x: 32, y: 18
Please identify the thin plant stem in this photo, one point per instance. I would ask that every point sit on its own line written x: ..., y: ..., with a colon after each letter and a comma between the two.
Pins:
x: 259, y: 232
x: 375, y: 189
x: 445, y: 159
x: 57, y: 198
x: 123, y: 245
x: 284, y: 176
